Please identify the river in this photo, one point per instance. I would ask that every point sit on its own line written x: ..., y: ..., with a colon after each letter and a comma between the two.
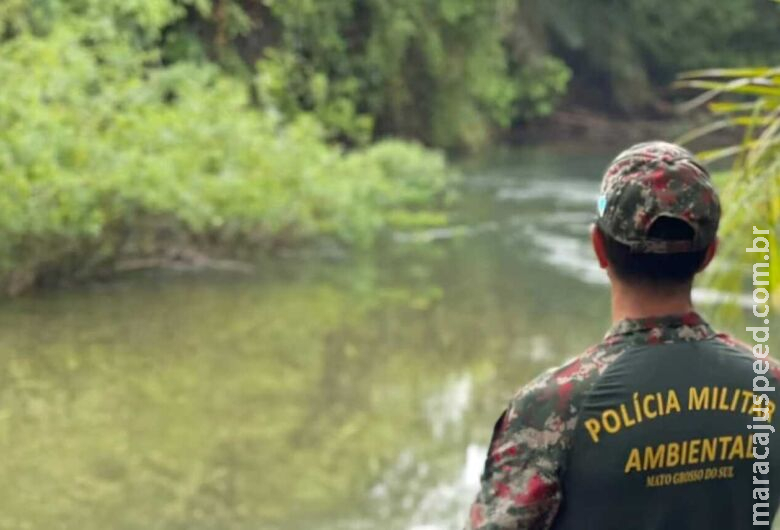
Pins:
x: 339, y: 393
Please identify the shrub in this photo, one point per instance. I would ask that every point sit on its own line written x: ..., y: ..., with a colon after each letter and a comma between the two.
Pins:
x: 107, y: 154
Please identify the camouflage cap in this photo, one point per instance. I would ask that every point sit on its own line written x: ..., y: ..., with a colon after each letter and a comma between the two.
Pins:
x: 652, y: 180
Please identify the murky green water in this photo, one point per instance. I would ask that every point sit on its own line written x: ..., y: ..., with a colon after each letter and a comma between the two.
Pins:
x: 331, y: 394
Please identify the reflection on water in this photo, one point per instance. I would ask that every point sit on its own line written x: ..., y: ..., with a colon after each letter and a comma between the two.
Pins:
x: 357, y: 394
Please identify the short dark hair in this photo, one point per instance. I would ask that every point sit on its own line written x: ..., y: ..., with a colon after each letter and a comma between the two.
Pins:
x: 657, y: 270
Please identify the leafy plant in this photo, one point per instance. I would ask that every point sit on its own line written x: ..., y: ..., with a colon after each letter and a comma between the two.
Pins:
x: 749, y: 99
x: 109, y: 155
x: 437, y: 71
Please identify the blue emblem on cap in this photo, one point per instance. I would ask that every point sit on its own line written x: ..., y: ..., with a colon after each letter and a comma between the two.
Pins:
x: 602, y: 204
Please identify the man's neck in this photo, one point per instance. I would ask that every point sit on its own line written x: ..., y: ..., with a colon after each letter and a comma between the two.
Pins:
x: 643, y: 302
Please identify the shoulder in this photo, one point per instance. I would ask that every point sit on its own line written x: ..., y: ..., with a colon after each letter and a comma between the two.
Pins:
x: 549, y: 404
x: 758, y: 351
x: 730, y: 340
x: 559, y: 385
x: 521, y: 480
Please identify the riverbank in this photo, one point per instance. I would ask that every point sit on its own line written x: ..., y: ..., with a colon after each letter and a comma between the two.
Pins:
x: 177, y: 206
x: 588, y: 127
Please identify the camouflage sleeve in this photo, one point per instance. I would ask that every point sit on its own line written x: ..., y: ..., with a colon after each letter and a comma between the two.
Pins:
x: 520, y: 485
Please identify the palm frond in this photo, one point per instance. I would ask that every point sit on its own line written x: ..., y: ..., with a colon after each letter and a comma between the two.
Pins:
x: 746, y: 99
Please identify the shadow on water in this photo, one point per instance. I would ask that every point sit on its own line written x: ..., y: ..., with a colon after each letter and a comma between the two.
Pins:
x: 348, y: 395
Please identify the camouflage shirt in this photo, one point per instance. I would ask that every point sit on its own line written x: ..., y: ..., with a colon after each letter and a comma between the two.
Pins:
x: 521, y: 482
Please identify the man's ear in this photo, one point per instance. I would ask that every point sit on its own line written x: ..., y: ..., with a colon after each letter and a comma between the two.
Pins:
x: 711, y: 251
x: 599, y: 246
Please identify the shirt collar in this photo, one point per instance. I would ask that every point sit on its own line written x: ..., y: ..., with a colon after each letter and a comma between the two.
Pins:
x: 666, y: 328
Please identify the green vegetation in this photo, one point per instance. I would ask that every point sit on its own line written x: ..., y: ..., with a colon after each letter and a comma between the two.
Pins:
x: 439, y: 71
x: 748, y: 98
x: 109, y: 153
x: 455, y: 73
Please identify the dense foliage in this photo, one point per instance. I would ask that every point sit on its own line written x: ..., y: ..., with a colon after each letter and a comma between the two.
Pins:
x: 454, y: 72
x: 442, y: 71
x: 624, y: 54
x: 749, y: 99
x: 109, y: 153
x: 448, y: 72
